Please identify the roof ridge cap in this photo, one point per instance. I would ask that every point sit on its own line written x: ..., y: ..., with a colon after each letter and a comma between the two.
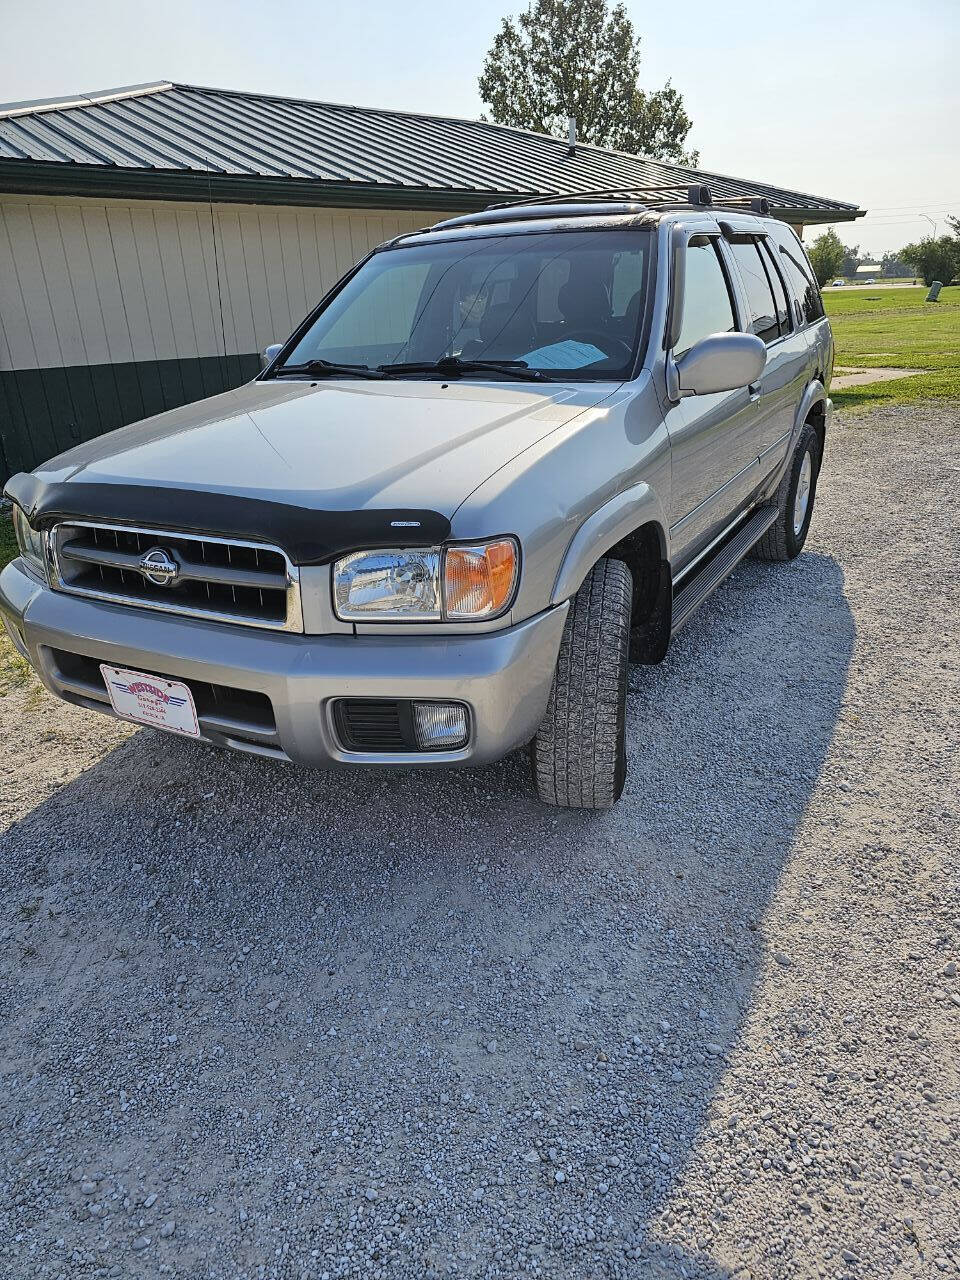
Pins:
x: 38, y: 106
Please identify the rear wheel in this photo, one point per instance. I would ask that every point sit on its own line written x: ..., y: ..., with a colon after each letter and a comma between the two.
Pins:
x: 579, y: 753
x: 794, y: 501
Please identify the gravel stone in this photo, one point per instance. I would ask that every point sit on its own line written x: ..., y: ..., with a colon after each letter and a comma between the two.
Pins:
x: 665, y: 1101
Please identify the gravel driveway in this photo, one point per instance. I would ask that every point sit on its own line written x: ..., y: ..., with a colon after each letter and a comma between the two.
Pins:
x: 258, y: 1022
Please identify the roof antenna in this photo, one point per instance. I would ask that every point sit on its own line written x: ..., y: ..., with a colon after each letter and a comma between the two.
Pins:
x: 571, y: 135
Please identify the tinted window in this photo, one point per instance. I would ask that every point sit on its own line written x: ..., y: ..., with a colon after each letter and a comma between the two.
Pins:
x: 776, y: 283
x: 803, y: 285
x: 382, y: 314
x: 762, y: 311
x: 564, y: 302
x: 706, y: 299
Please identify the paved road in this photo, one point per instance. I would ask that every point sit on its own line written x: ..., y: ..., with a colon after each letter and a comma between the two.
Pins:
x: 264, y: 1023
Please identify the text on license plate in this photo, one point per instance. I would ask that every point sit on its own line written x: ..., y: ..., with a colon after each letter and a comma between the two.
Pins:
x: 153, y: 700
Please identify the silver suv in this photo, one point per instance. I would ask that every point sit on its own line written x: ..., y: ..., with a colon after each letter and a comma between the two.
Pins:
x: 502, y: 457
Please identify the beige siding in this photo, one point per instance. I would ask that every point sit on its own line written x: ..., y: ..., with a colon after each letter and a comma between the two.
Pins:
x: 88, y: 282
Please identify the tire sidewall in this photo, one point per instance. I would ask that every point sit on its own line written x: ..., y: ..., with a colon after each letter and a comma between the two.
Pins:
x: 573, y: 763
x: 808, y: 443
x: 620, y: 773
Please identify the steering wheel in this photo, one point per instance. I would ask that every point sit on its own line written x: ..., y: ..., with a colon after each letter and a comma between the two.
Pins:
x: 597, y: 338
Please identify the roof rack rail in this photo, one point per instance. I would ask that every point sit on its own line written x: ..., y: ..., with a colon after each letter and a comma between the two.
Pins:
x: 667, y: 192
x: 622, y: 200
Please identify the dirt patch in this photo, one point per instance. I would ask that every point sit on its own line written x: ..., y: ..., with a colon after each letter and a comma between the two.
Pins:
x: 856, y: 377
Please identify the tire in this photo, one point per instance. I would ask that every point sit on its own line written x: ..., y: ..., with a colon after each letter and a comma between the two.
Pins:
x: 785, y: 538
x: 580, y: 753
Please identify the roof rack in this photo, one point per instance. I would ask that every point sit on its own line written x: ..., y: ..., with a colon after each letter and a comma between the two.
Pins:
x: 698, y: 194
x: 668, y: 192
x: 623, y: 200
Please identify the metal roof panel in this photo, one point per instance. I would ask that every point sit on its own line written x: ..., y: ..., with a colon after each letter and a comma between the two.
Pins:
x: 189, y: 130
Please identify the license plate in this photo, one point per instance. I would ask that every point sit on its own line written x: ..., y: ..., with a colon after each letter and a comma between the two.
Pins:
x: 154, y: 700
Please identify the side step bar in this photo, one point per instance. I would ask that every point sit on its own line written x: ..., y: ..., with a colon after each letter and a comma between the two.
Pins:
x: 709, y: 576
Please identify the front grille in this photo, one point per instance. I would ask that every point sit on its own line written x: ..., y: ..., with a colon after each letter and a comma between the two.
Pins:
x: 211, y: 577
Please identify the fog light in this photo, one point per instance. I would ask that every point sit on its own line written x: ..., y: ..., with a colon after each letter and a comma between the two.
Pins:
x: 440, y: 724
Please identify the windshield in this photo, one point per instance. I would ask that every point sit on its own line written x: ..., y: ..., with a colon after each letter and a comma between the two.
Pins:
x: 566, y: 303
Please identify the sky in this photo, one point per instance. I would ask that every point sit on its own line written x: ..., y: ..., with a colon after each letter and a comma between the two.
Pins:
x: 854, y: 99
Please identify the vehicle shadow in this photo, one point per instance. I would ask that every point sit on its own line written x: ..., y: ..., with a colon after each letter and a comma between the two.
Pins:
x: 376, y: 1015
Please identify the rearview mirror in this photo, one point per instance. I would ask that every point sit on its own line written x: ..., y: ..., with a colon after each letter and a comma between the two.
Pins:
x: 721, y: 362
x: 270, y: 354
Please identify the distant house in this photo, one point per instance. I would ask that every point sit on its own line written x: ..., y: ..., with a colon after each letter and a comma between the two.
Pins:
x: 154, y: 239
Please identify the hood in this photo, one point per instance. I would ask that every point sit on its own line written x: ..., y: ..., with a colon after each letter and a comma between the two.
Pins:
x: 318, y: 468
x: 332, y: 445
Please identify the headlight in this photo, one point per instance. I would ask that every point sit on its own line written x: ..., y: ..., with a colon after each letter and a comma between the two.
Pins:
x: 389, y: 585
x: 432, y: 584
x: 30, y: 541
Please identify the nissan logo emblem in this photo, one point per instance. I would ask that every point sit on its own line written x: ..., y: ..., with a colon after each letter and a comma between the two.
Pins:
x: 159, y: 567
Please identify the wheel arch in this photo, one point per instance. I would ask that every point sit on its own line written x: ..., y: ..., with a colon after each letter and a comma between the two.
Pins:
x: 632, y: 525
x: 817, y: 417
x: 812, y: 408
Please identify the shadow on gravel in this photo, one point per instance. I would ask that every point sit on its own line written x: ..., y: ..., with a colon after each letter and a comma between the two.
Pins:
x: 377, y: 1015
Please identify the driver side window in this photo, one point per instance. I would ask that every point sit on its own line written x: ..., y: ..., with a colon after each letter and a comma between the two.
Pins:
x: 707, y: 307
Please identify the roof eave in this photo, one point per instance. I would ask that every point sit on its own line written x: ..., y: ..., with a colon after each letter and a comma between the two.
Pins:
x: 34, y: 177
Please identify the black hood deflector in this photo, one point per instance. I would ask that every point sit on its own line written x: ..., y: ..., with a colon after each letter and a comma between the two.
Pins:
x: 308, y: 536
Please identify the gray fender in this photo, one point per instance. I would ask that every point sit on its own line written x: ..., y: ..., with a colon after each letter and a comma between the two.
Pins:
x: 604, y: 529
x: 814, y: 392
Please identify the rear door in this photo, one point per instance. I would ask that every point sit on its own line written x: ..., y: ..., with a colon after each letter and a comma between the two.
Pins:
x: 769, y: 316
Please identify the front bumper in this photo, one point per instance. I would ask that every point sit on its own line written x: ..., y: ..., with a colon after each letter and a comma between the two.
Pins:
x: 504, y: 677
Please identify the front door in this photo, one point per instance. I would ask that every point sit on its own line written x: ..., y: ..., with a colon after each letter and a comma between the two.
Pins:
x: 713, y: 438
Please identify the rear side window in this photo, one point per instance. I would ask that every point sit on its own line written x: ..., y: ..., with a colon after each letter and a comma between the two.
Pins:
x: 761, y: 305
x: 776, y: 284
x: 804, y: 286
x: 706, y: 299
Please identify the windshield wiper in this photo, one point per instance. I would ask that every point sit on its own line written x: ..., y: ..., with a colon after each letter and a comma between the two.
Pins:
x: 454, y: 366
x: 328, y: 368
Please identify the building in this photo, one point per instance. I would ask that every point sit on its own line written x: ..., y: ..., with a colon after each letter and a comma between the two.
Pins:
x: 154, y: 239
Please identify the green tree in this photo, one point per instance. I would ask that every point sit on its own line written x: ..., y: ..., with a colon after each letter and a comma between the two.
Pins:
x: 892, y: 264
x: 580, y: 58
x: 934, y: 259
x: 851, y: 260
x: 826, y: 256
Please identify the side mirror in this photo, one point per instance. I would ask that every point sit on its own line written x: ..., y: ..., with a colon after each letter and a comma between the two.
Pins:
x: 270, y: 354
x: 720, y: 362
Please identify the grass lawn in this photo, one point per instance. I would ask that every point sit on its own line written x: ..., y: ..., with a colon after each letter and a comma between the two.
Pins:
x: 8, y: 543
x: 896, y: 328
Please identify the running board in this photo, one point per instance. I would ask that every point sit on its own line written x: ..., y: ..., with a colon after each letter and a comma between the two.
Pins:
x: 721, y: 563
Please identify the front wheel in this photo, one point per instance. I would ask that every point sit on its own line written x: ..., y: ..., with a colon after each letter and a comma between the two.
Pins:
x: 580, y: 751
x: 794, y: 501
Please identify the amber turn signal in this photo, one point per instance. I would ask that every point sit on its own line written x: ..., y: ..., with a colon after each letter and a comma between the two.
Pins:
x: 479, y: 581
